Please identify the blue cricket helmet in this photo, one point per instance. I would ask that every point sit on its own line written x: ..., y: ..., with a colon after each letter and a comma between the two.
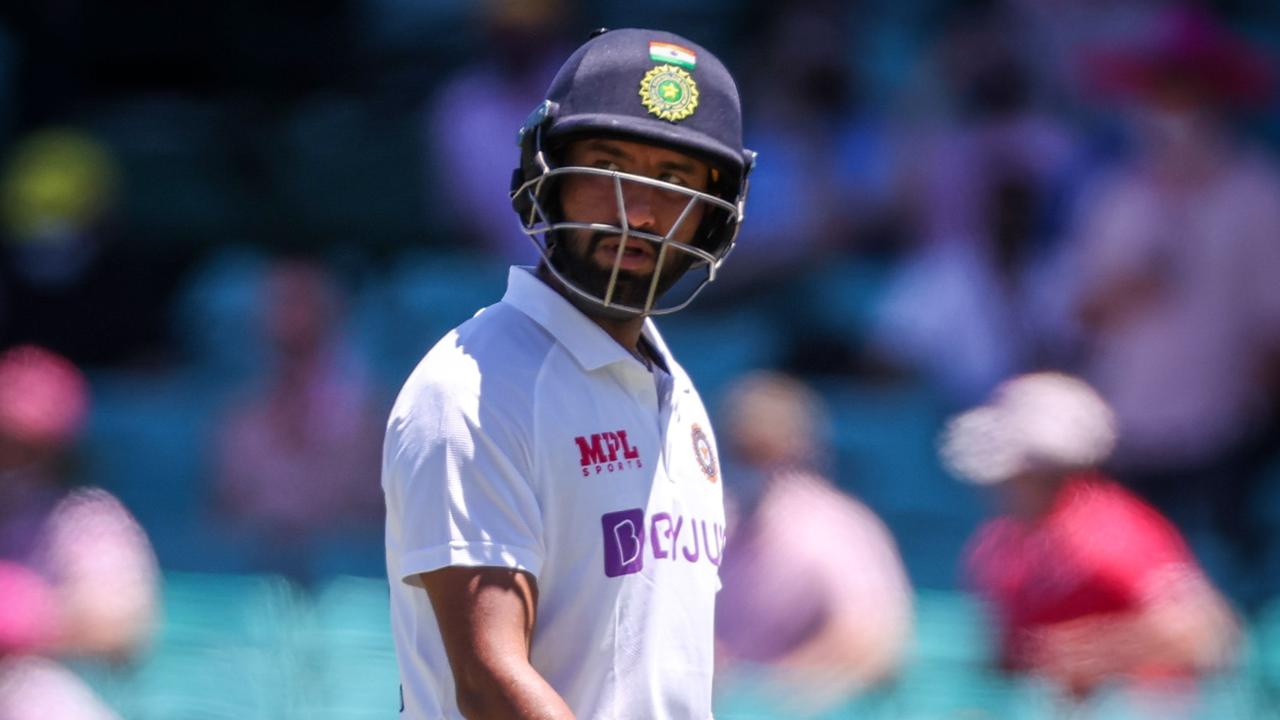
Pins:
x: 648, y: 86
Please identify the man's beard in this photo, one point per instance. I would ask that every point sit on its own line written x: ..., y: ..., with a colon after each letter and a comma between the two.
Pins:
x: 631, y: 288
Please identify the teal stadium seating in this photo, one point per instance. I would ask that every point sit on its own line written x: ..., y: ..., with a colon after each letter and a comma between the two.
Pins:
x: 256, y: 647
x: 350, y: 652
x: 147, y: 442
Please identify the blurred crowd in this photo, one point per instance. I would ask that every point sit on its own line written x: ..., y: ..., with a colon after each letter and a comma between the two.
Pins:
x: 228, y: 232
x: 77, y: 574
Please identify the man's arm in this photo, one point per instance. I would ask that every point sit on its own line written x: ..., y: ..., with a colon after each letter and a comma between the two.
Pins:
x: 486, y: 617
x: 1183, y: 623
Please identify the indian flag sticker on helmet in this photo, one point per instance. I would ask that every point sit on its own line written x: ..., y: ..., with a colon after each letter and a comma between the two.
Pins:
x: 669, y: 92
x: 671, y: 54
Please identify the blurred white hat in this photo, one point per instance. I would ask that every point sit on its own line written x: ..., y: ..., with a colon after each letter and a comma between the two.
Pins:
x: 1039, y: 421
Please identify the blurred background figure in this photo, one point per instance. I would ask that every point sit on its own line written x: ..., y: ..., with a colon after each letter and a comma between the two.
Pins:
x: 826, y: 187
x: 472, y: 121
x: 1089, y: 585
x: 814, y: 590
x: 978, y: 294
x: 78, y: 577
x: 297, y: 454
x: 1178, y: 288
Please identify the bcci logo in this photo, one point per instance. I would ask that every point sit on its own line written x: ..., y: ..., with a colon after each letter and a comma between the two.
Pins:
x: 702, y: 451
x: 669, y: 92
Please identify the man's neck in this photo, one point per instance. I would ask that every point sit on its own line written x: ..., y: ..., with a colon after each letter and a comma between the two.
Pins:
x: 625, y: 331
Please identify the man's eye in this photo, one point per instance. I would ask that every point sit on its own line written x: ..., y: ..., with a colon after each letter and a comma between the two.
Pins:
x: 672, y: 178
x: 609, y: 165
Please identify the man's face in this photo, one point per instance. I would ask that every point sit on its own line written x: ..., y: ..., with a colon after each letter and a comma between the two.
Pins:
x: 588, y: 256
x: 1030, y: 495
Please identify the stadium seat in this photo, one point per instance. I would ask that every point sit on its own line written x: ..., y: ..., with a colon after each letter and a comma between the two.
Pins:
x: 425, y: 295
x: 9, y: 55
x: 840, y: 297
x: 227, y: 649
x: 217, y: 316
x: 948, y: 671
x: 1264, y: 656
x: 355, y: 674
x: 255, y: 610
x: 884, y: 437
x: 952, y: 627
x: 408, y: 29
x: 355, y: 610
x: 180, y: 182
x: 716, y: 347
x: 349, y: 174
x: 146, y: 444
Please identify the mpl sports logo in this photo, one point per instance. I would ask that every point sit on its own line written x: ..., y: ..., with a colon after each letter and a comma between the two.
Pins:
x: 607, y: 452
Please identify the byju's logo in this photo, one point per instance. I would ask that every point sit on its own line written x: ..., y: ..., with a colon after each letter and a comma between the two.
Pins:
x: 623, y: 542
x: 607, y: 452
x: 671, y: 538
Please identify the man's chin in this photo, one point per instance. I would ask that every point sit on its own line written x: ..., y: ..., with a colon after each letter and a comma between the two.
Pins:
x: 625, y: 276
x: 628, y: 290
x: 597, y: 276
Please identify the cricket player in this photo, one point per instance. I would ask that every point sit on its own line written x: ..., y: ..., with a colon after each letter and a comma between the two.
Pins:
x: 555, y: 520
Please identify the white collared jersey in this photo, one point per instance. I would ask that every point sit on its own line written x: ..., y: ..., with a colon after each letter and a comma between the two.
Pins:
x: 527, y: 438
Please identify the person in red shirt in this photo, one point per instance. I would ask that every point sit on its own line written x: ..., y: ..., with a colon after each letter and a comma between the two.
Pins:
x: 1088, y: 583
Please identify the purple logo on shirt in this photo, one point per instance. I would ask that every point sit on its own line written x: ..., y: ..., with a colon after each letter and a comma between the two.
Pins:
x: 623, y: 542
x: 671, y: 538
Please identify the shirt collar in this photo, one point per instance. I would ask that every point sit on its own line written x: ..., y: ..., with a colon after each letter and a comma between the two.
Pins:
x: 586, y: 341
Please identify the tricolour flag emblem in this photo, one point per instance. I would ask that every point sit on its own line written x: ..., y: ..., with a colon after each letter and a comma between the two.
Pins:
x: 661, y: 52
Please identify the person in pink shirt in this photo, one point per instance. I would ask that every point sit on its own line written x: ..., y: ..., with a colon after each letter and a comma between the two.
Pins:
x: 814, y: 590
x: 294, y: 456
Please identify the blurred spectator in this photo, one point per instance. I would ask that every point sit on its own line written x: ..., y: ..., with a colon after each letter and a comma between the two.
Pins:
x: 1060, y: 32
x: 34, y: 688
x: 491, y: 100
x: 77, y: 574
x: 298, y: 456
x: 1088, y: 584
x: 1178, y: 289
x: 825, y: 185
x: 979, y: 295
x: 813, y: 586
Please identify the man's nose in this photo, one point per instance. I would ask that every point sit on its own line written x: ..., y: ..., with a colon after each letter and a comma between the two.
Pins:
x: 639, y: 200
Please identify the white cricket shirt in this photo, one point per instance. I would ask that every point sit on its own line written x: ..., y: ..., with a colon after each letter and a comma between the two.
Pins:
x: 528, y: 438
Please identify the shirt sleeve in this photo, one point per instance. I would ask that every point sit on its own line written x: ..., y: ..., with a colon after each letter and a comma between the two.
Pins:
x: 458, y: 481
